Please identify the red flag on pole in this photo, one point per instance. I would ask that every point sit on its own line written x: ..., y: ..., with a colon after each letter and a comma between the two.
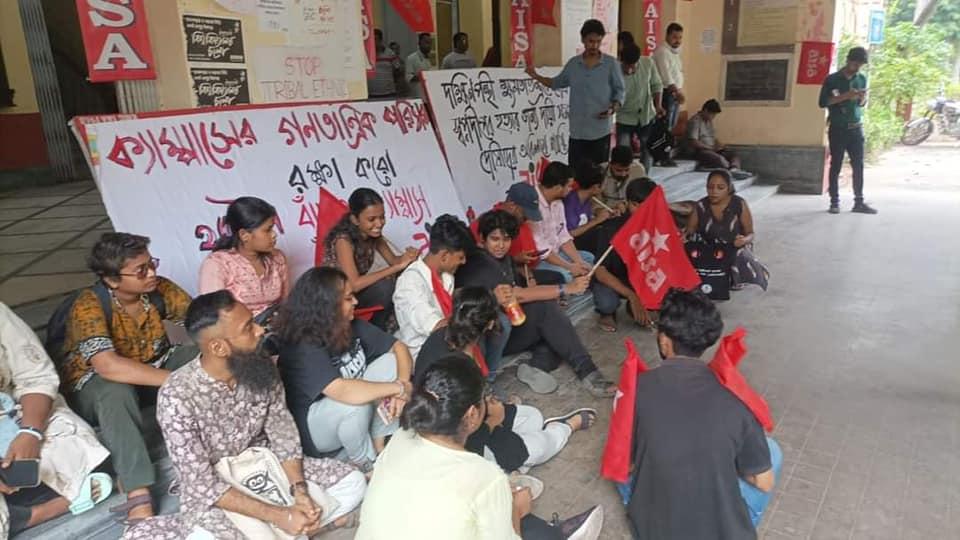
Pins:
x: 652, y: 250
x: 416, y: 13
x: 329, y: 211
x: 724, y: 365
x: 543, y: 12
x: 616, y: 453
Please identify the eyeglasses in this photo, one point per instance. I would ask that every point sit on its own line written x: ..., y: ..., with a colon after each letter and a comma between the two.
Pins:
x: 144, y: 269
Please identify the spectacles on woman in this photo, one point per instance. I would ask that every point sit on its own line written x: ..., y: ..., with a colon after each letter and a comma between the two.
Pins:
x: 144, y: 269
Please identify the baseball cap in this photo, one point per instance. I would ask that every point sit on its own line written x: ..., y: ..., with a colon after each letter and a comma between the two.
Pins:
x: 525, y: 196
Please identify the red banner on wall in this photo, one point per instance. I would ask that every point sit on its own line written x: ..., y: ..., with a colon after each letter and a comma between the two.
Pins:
x: 815, y: 57
x: 416, y: 13
x: 116, y: 40
x: 543, y: 12
x: 521, y: 33
x: 366, y: 25
x: 651, y: 25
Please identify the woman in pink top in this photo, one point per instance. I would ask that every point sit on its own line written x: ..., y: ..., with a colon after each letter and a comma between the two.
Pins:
x: 247, y: 262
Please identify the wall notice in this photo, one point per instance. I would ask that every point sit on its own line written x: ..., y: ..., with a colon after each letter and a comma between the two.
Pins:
x: 299, y: 74
x: 497, y: 126
x: 767, y: 22
x: 573, y: 13
x: 212, y: 39
x: 194, y: 165
x: 215, y: 87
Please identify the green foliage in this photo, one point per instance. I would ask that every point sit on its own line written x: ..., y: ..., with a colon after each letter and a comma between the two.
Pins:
x: 881, y: 128
x: 953, y: 90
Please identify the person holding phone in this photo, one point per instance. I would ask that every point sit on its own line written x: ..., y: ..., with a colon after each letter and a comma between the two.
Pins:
x: 49, y: 453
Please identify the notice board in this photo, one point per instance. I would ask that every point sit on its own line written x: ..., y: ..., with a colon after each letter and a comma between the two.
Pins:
x: 757, y: 80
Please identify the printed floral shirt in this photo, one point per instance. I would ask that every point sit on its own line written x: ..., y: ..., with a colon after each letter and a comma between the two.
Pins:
x: 232, y: 271
x: 143, y: 339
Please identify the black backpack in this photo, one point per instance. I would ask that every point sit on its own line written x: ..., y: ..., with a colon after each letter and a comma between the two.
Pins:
x: 661, y: 141
x: 57, y: 324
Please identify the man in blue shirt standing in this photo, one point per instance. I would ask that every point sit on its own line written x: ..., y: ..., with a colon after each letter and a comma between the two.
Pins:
x: 596, y: 94
x: 844, y: 94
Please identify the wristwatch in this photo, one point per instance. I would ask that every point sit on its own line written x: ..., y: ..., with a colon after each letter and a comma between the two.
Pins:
x: 298, y: 486
x: 563, y: 291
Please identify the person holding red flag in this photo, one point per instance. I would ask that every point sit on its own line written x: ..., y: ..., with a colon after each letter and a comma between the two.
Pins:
x: 422, y: 299
x: 701, y: 464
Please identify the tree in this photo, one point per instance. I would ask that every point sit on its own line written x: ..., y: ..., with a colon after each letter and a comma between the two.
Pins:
x: 945, y: 20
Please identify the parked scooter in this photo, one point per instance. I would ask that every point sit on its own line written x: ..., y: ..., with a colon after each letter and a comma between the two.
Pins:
x: 943, y: 112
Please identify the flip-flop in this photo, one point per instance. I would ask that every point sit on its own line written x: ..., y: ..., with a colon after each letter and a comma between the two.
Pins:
x: 588, y: 416
x: 608, y: 328
x: 84, y: 501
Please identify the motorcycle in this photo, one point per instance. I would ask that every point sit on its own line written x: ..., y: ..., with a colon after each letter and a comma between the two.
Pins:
x: 945, y: 111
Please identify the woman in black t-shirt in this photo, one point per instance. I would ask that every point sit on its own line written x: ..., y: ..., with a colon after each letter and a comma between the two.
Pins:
x: 346, y: 380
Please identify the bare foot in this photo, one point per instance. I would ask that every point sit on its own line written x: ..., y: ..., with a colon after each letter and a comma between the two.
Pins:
x: 48, y: 510
x: 607, y: 323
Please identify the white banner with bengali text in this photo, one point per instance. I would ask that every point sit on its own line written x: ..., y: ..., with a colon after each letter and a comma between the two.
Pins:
x: 172, y: 177
x: 498, y: 127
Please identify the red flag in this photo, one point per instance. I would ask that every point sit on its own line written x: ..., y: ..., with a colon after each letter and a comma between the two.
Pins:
x: 724, y: 365
x: 416, y: 13
x: 329, y: 211
x: 543, y: 12
x: 652, y: 250
x: 616, y: 453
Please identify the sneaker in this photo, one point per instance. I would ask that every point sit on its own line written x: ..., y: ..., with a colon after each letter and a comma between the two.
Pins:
x: 863, y: 208
x: 527, y: 481
x: 740, y: 174
x: 598, y: 385
x: 585, y: 526
x: 834, y: 209
x: 538, y: 380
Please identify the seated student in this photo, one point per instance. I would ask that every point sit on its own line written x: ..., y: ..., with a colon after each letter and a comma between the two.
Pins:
x: 113, y: 364
x: 703, y: 467
x: 246, y: 261
x: 422, y: 297
x: 620, y: 171
x: 723, y: 216
x: 550, y: 234
x: 44, y: 429
x: 514, y: 435
x: 351, y: 246
x: 224, y: 402
x: 612, y: 281
x: 337, y: 370
x: 582, y: 221
x: 703, y: 144
x: 547, y: 332
x: 428, y: 486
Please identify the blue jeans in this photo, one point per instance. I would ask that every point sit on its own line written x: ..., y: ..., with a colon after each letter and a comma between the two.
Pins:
x: 495, y: 342
x: 849, y: 141
x: 567, y: 276
x: 755, y: 499
x: 606, y: 301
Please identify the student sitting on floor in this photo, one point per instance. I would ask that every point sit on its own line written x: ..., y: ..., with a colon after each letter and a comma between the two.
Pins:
x: 338, y: 370
x: 547, y: 332
x: 226, y: 425
x: 38, y: 425
x: 246, y: 261
x: 351, y: 246
x: 702, y: 142
x: 582, y: 220
x: 723, y: 216
x: 112, y: 364
x: 619, y: 172
x: 559, y: 252
x: 427, y: 485
x: 514, y: 435
x: 422, y: 298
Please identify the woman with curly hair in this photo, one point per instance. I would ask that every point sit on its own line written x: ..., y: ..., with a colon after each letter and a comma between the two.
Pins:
x: 514, y: 435
x: 337, y: 370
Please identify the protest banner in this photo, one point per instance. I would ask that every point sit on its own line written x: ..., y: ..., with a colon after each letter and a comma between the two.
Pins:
x: 171, y: 177
x: 497, y: 126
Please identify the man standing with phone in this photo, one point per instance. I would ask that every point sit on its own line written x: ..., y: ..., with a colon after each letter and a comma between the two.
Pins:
x: 844, y: 94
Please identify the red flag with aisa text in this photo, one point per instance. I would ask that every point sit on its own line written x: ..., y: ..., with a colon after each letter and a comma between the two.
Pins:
x: 732, y: 349
x: 652, y: 250
x: 329, y: 211
x: 616, y: 453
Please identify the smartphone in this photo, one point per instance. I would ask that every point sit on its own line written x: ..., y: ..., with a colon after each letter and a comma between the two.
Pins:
x: 21, y: 474
x: 384, y: 411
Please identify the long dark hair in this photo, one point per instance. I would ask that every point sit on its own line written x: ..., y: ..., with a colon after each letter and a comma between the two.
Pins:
x: 245, y: 213
x: 360, y: 200
x: 312, y: 313
x: 474, y: 308
x: 725, y: 175
x: 449, y: 388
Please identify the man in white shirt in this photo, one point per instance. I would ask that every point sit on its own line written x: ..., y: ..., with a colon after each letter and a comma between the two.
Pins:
x: 418, y: 61
x: 670, y: 66
x: 423, y: 296
x: 458, y: 58
x: 550, y: 234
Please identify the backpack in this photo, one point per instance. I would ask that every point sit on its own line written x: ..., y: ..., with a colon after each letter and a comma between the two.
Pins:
x: 712, y: 260
x: 661, y: 141
x: 57, y: 324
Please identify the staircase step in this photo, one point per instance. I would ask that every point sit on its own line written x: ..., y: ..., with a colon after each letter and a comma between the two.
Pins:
x: 661, y: 174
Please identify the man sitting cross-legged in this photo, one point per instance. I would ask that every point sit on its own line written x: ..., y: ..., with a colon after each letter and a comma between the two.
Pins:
x: 228, y: 400
x: 702, y: 142
x: 702, y: 467
x: 551, y: 235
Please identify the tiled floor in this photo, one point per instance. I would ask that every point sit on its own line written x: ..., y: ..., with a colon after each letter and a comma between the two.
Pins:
x: 854, y: 345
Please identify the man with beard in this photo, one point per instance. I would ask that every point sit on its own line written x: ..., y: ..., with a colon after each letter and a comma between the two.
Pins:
x: 225, y: 401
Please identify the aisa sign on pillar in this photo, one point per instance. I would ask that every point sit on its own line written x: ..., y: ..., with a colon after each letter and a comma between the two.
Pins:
x: 116, y: 40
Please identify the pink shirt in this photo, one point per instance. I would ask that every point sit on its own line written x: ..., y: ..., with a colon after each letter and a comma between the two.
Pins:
x: 229, y: 270
x: 551, y: 232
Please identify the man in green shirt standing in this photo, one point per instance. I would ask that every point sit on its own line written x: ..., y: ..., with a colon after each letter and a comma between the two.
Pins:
x: 844, y: 94
x: 641, y: 104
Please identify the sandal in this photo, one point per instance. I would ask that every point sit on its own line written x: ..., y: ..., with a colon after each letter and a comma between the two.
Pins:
x: 608, y: 327
x: 85, y: 500
x: 121, y: 510
x: 588, y: 417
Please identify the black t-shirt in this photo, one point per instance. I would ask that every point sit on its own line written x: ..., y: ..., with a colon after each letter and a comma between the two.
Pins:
x: 307, y: 369
x: 433, y: 349
x: 693, y: 441
x: 602, y: 240
x: 483, y: 270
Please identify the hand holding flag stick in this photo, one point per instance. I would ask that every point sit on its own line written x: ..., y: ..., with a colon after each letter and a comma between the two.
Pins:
x: 600, y: 261
x: 603, y: 205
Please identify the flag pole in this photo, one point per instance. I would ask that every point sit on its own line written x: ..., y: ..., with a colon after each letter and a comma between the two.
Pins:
x: 600, y: 261
x: 602, y: 204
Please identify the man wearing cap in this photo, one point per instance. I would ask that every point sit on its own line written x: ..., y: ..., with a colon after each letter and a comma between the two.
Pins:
x: 844, y: 94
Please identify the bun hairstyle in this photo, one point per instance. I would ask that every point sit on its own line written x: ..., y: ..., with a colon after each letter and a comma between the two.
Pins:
x: 450, y: 387
x: 245, y: 213
x: 474, y: 308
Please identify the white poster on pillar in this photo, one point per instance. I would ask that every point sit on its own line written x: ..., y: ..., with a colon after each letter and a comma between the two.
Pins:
x: 573, y: 13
